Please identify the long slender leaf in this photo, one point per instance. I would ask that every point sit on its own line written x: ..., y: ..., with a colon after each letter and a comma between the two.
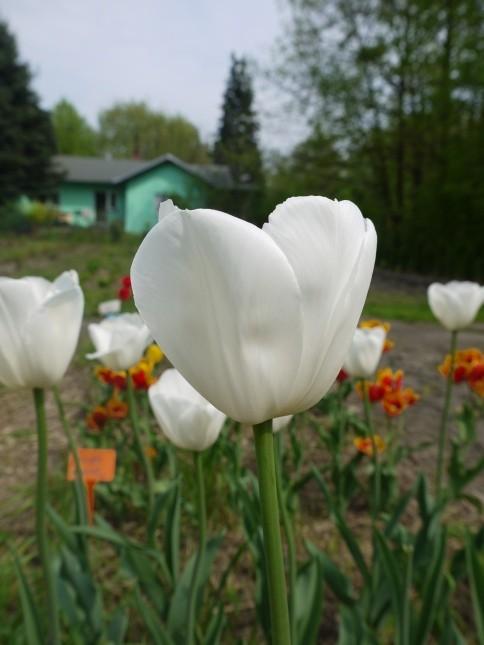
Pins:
x: 33, y: 632
x: 431, y: 592
x: 475, y: 568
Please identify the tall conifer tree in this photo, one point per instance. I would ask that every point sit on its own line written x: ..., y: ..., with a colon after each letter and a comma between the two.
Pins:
x: 26, y: 137
x: 236, y: 144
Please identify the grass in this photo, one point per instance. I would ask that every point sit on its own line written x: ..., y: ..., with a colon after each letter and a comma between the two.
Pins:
x: 102, y: 261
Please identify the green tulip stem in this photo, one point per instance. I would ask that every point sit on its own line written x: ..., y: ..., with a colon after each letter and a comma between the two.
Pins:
x: 41, y: 518
x: 288, y: 530
x: 264, y: 448
x: 202, y: 539
x: 133, y: 413
x: 374, y: 451
x: 445, y: 417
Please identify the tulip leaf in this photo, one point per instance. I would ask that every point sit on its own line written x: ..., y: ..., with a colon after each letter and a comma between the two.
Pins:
x: 178, y: 611
x: 309, y: 601
x: 157, y: 631
x: 33, y: 633
x: 215, y: 628
x: 339, y: 583
x: 172, y: 532
x: 475, y: 567
x: 116, y: 629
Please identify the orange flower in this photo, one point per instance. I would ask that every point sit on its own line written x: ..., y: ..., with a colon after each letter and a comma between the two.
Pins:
x: 116, y: 409
x: 390, y: 381
x: 395, y: 403
x: 475, y: 378
x: 96, y: 419
x: 464, y: 362
x: 150, y: 452
x: 142, y: 376
x: 370, y: 324
x: 110, y: 377
x: 365, y: 444
x: 374, y: 391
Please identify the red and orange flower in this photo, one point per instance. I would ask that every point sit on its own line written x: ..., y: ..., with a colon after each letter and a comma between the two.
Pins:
x: 366, y: 445
x: 468, y: 367
x: 389, y: 391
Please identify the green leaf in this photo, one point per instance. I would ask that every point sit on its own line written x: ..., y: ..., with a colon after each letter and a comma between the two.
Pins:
x: 215, y: 628
x: 391, y: 567
x: 178, y: 611
x: 339, y: 583
x: 33, y: 632
x: 309, y: 601
x: 158, y: 632
x: 116, y: 629
x: 172, y: 533
x: 475, y: 568
x: 432, y: 591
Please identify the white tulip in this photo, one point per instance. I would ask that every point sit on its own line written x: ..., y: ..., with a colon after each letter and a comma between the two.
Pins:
x: 109, y: 307
x: 120, y: 342
x: 365, y: 352
x: 187, y: 419
x: 279, y: 423
x: 40, y: 323
x: 258, y: 321
x: 455, y: 304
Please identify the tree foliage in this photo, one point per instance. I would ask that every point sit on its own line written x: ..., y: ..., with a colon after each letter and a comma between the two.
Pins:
x: 73, y: 134
x: 400, y: 87
x: 26, y: 138
x: 236, y: 144
x: 134, y: 130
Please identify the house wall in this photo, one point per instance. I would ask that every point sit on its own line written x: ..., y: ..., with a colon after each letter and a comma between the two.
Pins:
x: 143, y: 193
x: 80, y: 201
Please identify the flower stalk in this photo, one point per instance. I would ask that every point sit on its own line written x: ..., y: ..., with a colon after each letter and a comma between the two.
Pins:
x: 445, y: 417
x: 133, y: 413
x: 202, y: 539
x: 264, y: 446
x: 374, y: 451
x: 41, y: 517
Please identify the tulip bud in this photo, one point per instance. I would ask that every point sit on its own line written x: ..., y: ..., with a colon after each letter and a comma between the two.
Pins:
x: 119, y: 342
x: 40, y: 323
x: 455, y: 304
x: 258, y: 320
x: 365, y: 352
x: 187, y: 419
x: 109, y: 307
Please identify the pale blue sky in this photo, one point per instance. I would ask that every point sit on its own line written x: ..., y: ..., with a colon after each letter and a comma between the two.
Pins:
x: 175, y: 55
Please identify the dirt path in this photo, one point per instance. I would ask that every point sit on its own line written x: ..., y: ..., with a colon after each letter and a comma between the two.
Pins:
x: 419, y: 349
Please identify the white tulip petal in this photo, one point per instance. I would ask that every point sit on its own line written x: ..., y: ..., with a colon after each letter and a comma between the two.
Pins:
x: 455, y: 304
x: 279, y: 423
x: 222, y: 300
x: 365, y: 352
x: 39, y: 328
x: 332, y: 249
x: 120, y: 342
x: 187, y: 419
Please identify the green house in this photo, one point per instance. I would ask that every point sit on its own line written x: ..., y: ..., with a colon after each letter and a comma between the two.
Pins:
x: 101, y: 191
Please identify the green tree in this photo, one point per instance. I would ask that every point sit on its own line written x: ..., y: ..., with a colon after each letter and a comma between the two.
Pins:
x: 400, y: 86
x: 236, y: 145
x: 26, y: 137
x: 134, y: 130
x: 73, y: 134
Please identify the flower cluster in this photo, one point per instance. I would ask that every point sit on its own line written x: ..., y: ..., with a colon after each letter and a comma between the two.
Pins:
x: 468, y: 367
x: 371, y: 324
x: 125, y: 291
x: 141, y: 373
x: 388, y: 390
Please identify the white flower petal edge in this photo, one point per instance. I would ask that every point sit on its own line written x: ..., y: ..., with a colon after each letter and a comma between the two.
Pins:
x: 120, y: 341
x: 365, y: 352
x: 40, y: 323
x: 188, y: 420
x: 455, y: 304
x: 258, y: 321
x: 279, y: 423
x: 222, y: 300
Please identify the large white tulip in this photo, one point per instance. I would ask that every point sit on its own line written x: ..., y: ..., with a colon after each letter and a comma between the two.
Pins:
x: 40, y: 323
x: 455, y: 304
x: 187, y: 419
x: 120, y: 342
x: 258, y: 321
x: 365, y: 352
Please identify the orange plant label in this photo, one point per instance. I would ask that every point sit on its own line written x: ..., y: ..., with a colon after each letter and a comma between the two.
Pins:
x: 97, y: 465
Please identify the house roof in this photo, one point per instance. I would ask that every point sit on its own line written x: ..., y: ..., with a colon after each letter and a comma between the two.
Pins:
x: 116, y: 171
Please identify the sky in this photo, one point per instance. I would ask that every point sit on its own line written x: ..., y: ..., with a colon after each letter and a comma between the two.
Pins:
x: 174, y: 55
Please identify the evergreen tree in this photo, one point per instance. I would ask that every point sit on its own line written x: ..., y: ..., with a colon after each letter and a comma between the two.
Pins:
x: 73, y: 134
x: 236, y: 144
x: 26, y: 137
